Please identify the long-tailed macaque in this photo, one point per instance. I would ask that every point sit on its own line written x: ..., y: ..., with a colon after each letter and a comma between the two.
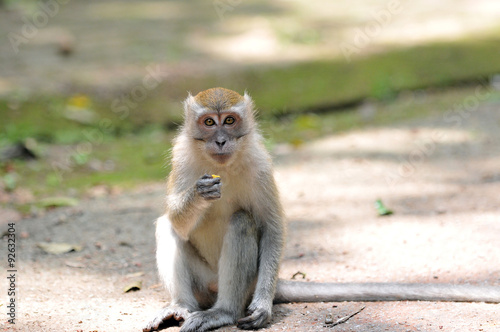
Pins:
x: 220, y: 241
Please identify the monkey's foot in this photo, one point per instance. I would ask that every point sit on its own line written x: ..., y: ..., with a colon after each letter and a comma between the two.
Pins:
x: 174, y: 314
x: 257, y: 319
x: 207, y: 320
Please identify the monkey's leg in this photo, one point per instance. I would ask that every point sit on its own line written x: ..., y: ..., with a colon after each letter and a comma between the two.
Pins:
x: 237, y: 274
x: 176, y: 259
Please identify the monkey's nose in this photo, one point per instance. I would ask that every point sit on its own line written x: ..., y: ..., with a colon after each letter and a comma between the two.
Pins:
x: 220, y: 144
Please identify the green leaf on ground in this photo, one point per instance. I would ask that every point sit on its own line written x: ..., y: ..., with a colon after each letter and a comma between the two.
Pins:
x: 382, y: 209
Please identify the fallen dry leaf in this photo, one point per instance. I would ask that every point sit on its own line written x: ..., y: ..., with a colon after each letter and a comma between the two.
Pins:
x: 134, y: 275
x: 58, y: 248
x: 133, y: 286
x: 77, y: 265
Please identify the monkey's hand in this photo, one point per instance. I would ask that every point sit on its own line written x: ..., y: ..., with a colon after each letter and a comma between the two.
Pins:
x: 259, y: 316
x: 208, y: 187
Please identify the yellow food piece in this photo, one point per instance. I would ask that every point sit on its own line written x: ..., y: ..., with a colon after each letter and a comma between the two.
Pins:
x: 215, y: 176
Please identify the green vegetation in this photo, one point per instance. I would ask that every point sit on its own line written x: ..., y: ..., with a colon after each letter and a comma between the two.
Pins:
x: 83, y: 141
x: 290, y: 89
x: 330, y: 84
x: 124, y: 161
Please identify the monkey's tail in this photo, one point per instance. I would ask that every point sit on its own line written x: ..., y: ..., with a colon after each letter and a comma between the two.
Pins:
x: 296, y: 291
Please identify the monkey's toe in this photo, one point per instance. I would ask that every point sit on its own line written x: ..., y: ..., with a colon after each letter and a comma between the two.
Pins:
x: 154, y: 324
x: 168, y: 315
x: 258, y: 319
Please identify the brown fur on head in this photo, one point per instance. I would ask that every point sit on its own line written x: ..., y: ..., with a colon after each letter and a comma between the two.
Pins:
x: 218, y: 99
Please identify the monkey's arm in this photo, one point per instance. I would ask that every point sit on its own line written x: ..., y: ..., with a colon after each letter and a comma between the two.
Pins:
x: 186, y: 203
x: 270, y: 249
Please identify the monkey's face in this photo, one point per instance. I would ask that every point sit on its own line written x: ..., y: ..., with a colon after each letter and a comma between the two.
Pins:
x: 221, y: 133
x: 219, y: 119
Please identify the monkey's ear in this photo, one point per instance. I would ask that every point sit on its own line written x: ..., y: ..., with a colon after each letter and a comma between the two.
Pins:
x: 191, y: 106
x: 247, y: 98
x: 249, y: 105
x: 248, y: 101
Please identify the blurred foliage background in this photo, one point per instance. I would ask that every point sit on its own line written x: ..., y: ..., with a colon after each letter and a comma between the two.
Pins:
x: 91, y: 91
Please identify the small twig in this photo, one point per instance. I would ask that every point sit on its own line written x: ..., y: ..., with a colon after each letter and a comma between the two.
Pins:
x: 299, y: 273
x: 346, y: 318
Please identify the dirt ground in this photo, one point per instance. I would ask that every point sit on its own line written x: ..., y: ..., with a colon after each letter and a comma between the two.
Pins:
x: 440, y: 176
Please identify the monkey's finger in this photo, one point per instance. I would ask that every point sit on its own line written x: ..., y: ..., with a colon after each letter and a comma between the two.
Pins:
x: 212, y: 187
x: 167, y: 314
x: 160, y: 318
x: 208, y: 182
x: 212, y: 195
x: 209, y: 187
x: 256, y: 320
x: 210, y: 177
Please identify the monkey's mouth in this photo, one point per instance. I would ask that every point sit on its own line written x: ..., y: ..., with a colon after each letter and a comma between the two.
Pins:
x: 221, y: 158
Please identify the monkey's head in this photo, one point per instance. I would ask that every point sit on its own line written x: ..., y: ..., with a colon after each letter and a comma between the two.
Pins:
x: 219, y: 119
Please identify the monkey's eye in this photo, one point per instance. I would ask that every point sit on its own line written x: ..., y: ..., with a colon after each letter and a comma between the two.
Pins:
x: 229, y: 120
x: 209, y: 122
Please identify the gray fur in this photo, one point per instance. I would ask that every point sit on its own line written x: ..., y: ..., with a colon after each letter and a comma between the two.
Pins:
x: 237, y: 274
x: 293, y: 291
x: 220, y: 241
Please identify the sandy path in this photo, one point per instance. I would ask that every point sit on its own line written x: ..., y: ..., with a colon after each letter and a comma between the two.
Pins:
x: 441, y: 177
